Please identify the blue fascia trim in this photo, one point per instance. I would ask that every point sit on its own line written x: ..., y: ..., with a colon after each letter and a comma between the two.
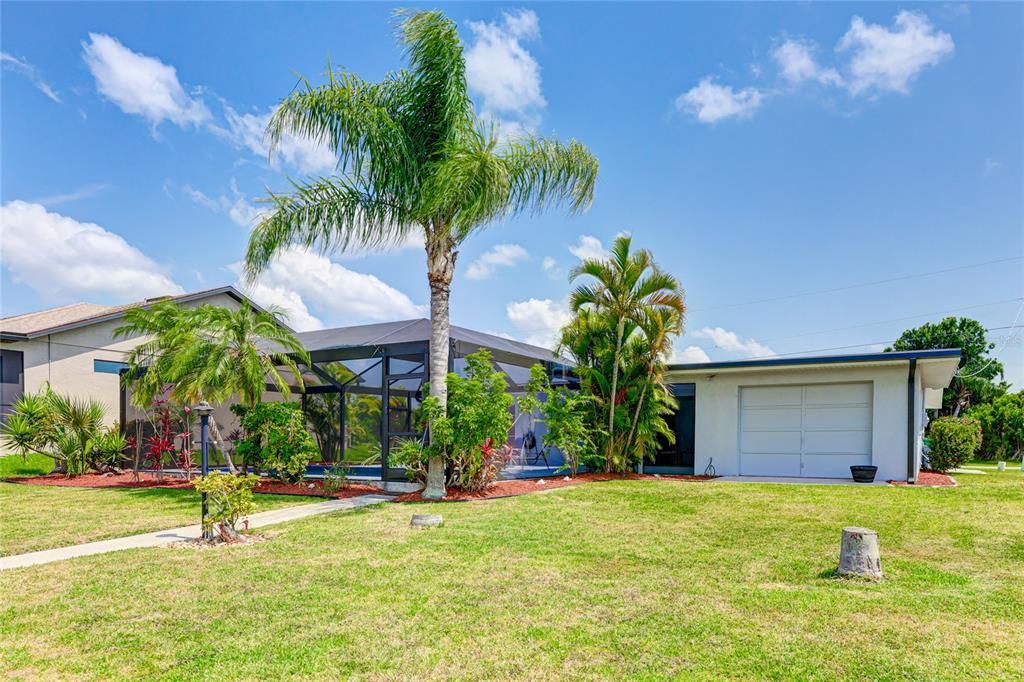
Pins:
x: 822, y: 359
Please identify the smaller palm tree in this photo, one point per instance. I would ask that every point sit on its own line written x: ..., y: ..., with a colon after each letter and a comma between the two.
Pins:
x: 211, y: 353
x: 626, y: 287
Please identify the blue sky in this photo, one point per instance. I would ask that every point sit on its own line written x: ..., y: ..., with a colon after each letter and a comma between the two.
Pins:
x: 800, y: 167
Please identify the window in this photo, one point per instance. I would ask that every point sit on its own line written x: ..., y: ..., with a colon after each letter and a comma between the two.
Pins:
x: 108, y: 366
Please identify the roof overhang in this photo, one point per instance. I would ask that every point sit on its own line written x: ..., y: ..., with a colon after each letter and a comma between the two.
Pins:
x: 936, y: 367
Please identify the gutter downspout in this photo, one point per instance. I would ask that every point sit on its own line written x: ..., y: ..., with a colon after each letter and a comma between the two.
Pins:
x: 911, y: 436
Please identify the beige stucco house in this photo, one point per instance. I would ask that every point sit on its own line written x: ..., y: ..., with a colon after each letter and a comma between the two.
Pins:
x: 73, y: 348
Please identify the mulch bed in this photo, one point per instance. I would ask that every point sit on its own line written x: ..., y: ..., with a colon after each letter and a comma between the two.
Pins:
x: 149, y: 480
x: 524, y: 486
x: 930, y: 479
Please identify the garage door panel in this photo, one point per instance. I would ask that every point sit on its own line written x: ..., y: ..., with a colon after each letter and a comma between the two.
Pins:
x: 813, y: 430
x: 832, y: 466
x: 771, y: 396
x: 838, y: 394
x: 836, y: 417
x: 770, y: 465
x: 757, y: 442
x: 837, y: 442
x: 772, y: 419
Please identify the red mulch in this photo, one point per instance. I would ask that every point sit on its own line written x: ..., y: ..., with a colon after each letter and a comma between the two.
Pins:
x: 930, y: 479
x: 523, y: 486
x: 149, y: 480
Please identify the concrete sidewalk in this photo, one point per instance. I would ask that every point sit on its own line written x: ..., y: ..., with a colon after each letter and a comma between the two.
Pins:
x: 163, y: 537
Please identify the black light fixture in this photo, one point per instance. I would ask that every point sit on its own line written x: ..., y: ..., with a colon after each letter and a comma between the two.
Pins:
x: 204, y: 410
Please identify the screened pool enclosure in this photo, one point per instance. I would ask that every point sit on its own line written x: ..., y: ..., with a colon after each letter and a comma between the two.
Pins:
x: 365, y: 384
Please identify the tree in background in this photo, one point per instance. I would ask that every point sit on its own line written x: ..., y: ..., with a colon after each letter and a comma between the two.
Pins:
x: 608, y: 339
x: 1002, y: 426
x: 975, y: 382
x: 414, y: 160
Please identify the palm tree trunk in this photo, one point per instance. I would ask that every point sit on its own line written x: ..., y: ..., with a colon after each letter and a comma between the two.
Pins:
x: 636, y: 414
x: 440, y: 270
x: 619, y: 330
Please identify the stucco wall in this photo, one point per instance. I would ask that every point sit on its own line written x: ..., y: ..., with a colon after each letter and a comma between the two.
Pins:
x: 717, y: 410
x: 65, y: 360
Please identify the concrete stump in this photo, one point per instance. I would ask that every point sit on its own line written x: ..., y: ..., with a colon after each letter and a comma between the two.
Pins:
x: 859, y: 553
x: 426, y: 520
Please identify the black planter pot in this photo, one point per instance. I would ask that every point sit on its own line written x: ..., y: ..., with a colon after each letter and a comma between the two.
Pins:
x: 863, y: 473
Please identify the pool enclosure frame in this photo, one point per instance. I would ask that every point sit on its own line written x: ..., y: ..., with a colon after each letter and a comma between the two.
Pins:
x: 401, y: 351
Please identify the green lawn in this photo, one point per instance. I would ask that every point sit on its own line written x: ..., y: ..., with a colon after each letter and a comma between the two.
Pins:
x: 642, y: 579
x: 40, y: 517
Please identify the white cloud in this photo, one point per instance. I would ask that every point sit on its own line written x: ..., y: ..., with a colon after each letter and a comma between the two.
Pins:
x: 247, y: 131
x: 290, y: 302
x: 689, y: 354
x: 711, y: 102
x: 505, y: 74
x: 236, y: 207
x: 889, y: 58
x: 549, y: 264
x: 64, y: 259
x: 12, y: 63
x: 992, y: 166
x: 141, y: 85
x: 730, y: 341
x: 500, y: 256
x: 589, y: 247
x: 84, y: 192
x: 298, y: 277
x: 796, y: 59
x: 539, y: 320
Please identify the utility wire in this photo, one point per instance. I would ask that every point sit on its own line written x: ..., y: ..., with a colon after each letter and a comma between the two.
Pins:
x: 857, y: 286
x: 895, y: 319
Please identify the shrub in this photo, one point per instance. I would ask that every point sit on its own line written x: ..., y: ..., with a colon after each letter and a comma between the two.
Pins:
x: 336, y: 478
x: 67, y: 430
x: 230, y: 497
x: 566, y: 418
x: 275, y: 438
x: 1002, y: 426
x: 472, y: 436
x: 954, y: 440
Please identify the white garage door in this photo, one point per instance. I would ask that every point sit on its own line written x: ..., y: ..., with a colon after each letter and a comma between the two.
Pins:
x: 817, y: 430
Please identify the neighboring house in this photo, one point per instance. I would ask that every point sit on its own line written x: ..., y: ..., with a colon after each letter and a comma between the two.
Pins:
x: 74, y: 350
x: 809, y: 417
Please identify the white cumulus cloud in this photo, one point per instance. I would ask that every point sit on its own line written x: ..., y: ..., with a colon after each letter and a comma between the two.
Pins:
x: 504, y: 73
x: 796, y: 59
x: 689, y: 354
x: 589, y: 247
x: 299, y: 278
x: 538, y: 320
x: 246, y: 131
x: 731, y: 341
x: 64, y: 259
x: 500, y: 256
x: 141, y: 85
x: 711, y: 102
x: 889, y: 58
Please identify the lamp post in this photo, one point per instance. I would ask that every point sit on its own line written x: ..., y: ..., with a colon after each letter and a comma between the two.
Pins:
x: 204, y: 410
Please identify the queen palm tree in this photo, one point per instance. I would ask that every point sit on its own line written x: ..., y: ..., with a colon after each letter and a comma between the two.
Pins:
x: 413, y: 159
x: 626, y: 287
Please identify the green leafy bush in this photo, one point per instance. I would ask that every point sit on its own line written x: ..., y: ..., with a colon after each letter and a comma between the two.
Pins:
x: 954, y: 440
x: 472, y: 437
x: 1002, y: 426
x: 68, y: 430
x: 275, y: 439
x: 230, y: 497
x: 566, y: 416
